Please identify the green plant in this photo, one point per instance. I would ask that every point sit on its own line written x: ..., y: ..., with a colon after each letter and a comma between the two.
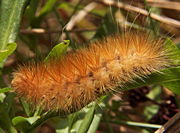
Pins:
x: 21, y: 118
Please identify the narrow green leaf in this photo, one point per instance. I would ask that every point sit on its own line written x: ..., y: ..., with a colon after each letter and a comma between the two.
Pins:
x: 19, y: 119
x: 174, y: 51
x: 109, y: 25
x: 58, y: 50
x: 3, y: 90
x: 48, y: 7
x: 174, y: 86
x: 23, y: 123
x: 69, y: 124
x: 76, y: 120
x: 97, y: 118
x: 9, y: 50
x: 152, y: 23
x: 10, y: 16
x: 87, y: 120
x: 9, y: 102
x: 31, y: 10
x: 61, y: 125
x: 5, y: 120
x: 72, y: 119
x: 95, y: 123
x: 39, y: 121
x: 25, y: 106
x: 164, y: 77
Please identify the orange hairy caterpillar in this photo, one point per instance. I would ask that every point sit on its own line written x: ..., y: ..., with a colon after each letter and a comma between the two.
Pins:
x: 70, y: 83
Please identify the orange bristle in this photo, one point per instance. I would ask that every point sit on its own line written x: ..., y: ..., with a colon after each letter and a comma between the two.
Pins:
x: 70, y: 83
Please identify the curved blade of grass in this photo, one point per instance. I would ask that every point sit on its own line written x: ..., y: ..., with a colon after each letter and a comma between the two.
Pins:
x: 48, y: 7
x: 30, y: 12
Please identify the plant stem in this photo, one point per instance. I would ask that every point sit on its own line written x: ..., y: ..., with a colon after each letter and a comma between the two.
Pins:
x: 139, y: 124
x: 40, y: 121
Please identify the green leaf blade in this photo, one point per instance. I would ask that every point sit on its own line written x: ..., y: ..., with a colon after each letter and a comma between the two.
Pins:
x: 3, y: 90
x: 5, y: 120
x: 48, y: 7
x: 11, y: 47
x: 10, y: 16
x: 58, y: 51
x: 165, y: 77
x: 87, y: 120
x: 22, y: 123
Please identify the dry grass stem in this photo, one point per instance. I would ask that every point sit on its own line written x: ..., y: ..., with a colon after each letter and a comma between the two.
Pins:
x: 128, y: 7
x: 165, y: 4
x: 44, y: 31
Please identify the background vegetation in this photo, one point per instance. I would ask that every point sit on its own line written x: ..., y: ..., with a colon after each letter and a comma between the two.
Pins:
x: 29, y: 29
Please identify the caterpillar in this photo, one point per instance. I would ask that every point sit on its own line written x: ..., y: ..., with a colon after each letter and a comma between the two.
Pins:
x: 69, y: 83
